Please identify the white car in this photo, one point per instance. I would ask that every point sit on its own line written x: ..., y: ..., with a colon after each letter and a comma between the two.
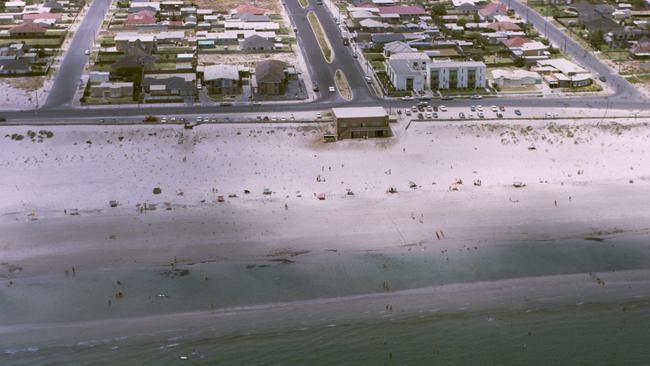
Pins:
x: 480, y: 115
x: 428, y: 115
x: 319, y: 115
x: 332, y: 89
x: 442, y: 108
x: 479, y: 108
x: 548, y: 115
x: 87, y: 52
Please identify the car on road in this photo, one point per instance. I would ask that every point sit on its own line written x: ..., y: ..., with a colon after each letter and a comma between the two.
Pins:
x: 476, y: 97
x: 368, y: 79
x: 332, y: 89
x: 87, y: 52
x: 316, y: 88
x: 518, y: 112
x: 446, y: 98
x: 408, y: 98
x: 442, y: 108
x: 461, y: 115
x: 602, y: 78
x: 2, y: 119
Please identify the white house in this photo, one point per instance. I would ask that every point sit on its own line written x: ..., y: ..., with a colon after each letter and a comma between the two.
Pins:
x: 456, y: 74
x: 515, y: 78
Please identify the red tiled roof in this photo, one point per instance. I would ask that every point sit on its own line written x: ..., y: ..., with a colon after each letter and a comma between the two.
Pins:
x: 27, y: 28
x: 38, y: 16
x: 515, y: 42
x: 141, y: 17
x: 493, y: 8
x: 504, y: 26
x: 402, y: 10
x: 250, y: 9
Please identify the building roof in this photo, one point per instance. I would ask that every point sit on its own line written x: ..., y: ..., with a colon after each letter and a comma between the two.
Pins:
x: 27, y: 28
x: 387, y: 37
x: 372, y: 23
x: 493, y: 8
x: 269, y: 71
x: 641, y: 47
x: 517, y: 74
x: 222, y: 71
x: 251, y: 18
x: 453, y: 64
x: 403, y: 67
x: 515, y: 42
x: 141, y: 17
x: 255, y: 42
x: 359, y: 112
x: 402, y: 10
x: 503, y: 26
x: 250, y: 9
x: 562, y: 65
x: 397, y: 47
x: 39, y: 16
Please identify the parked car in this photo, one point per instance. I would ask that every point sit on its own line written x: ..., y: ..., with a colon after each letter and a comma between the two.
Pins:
x: 442, y: 108
x: 407, y: 112
x: 87, y: 52
x: 494, y: 109
x: 461, y: 115
x: 480, y: 115
x: 472, y: 108
x: 502, y: 108
x: 150, y: 119
x: 319, y: 115
x: 368, y: 79
x: 518, y: 112
x: 316, y: 88
x: 428, y: 115
x: 420, y: 116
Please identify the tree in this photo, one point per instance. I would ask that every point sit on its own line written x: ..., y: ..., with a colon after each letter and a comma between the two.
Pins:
x: 438, y: 9
x: 596, y: 38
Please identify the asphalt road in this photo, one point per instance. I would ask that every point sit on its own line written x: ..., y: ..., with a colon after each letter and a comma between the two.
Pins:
x: 68, y: 75
x: 624, y: 98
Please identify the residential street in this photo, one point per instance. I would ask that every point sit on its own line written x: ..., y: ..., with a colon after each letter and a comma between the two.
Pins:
x: 67, y: 76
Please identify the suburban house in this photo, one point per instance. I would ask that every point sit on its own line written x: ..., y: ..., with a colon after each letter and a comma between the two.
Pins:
x: 248, y: 9
x: 503, y: 26
x: 256, y: 43
x: 270, y: 77
x: 14, y: 6
x: 15, y: 67
x: 42, y: 17
x: 372, y: 26
x: 27, y: 30
x: 464, y: 7
x: 489, y: 11
x: 136, y: 55
x: 180, y: 85
x: 361, y: 122
x: 456, y: 74
x: 112, y: 90
x: 222, y: 79
x: 641, y: 49
x: 563, y: 73
x: 141, y: 18
x: 527, y: 48
x: 395, y: 47
x: 515, y: 78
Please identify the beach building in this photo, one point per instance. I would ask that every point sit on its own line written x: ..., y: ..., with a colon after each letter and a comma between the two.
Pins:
x: 361, y: 122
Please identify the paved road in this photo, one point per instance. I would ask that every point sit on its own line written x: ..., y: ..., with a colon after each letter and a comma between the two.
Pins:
x: 67, y: 76
x: 321, y: 71
x: 622, y: 88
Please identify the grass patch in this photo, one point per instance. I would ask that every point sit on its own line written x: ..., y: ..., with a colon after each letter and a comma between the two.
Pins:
x: 342, y: 85
x: 304, y: 3
x: 638, y: 78
x: 320, y: 36
x: 593, y: 87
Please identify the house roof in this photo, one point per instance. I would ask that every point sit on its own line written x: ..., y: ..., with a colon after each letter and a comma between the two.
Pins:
x: 141, y: 17
x: 39, y: 16
x: 402, y: 10
x: 27, y: 28
x: 222, y: 71
x: 251, y: 18
x: 397, y: 47
x: 515, y: 42
x: 269, y: 71
x: 15, y: 65
x: 255, y: 41
x: 250, y: 9
x: 371, y: 23
x: 493, y: 8
x: 504, y: 26
x: 514, y: 74
x: 387, y: 37
x: 642, y: 46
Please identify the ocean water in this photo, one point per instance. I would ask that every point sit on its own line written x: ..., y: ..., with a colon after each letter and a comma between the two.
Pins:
x: 421, y: 305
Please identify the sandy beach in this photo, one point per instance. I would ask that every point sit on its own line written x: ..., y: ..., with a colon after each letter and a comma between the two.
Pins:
x: 577, y: 232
